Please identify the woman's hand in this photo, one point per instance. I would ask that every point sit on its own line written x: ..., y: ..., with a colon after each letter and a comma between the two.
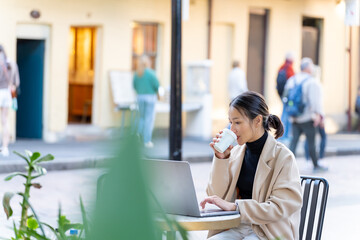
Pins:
x: 220, y: 155
x: 224, y: 205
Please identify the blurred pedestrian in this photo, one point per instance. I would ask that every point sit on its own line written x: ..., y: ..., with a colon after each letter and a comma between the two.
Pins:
x: 357, y: 109
x: 259, y: 177
x: 320, y: 126
x: 285, y: 72
x: 236, y: 81
x: 5, y: 101
x: 306, y: 120
x: 14, y: 81
x: 146, y: 86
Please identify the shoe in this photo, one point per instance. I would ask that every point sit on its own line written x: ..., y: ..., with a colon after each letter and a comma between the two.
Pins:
x: 149, y: 145
x: 320, y: 168
x: 5, y: 151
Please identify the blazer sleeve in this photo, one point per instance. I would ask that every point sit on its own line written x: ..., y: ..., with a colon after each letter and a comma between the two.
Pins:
x: 284, y: 200
x: 219, y: 181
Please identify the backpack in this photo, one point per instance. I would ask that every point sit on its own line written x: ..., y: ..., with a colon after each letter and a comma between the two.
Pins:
x: 294, y: 104
x: 281, y: 81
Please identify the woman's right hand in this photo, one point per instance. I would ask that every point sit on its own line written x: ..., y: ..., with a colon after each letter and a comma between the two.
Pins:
x: 218, y: 154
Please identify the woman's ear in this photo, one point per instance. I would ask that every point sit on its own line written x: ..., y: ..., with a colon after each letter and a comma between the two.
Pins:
x: 259, y: 120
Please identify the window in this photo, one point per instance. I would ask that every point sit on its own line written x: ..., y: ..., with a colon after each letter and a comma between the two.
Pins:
x: 145, y: 36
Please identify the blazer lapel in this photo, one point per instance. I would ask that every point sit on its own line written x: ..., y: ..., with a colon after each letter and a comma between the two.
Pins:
x: 235, y: 170
x: 263, y: 169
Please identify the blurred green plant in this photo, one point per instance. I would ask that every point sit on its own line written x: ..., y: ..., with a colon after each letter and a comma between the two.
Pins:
x: 30, y: 226
x: 34, y: 170
x: 123, y: 208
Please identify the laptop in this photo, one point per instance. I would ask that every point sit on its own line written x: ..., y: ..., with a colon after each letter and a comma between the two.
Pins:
x: 172, y: 185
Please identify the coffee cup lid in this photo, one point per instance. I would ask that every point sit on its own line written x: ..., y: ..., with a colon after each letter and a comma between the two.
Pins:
x: 230, y: 132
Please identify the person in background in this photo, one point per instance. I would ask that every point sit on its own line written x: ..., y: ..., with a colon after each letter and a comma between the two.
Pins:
x: 320, y: 126
x: 236, y: 81
x: 309, y: 119
x: 357, y: 109
x: 5, y: 101
x: 146, y: 86
x: 285, y: 72
x: 259, y: 177
x: 14, y: 81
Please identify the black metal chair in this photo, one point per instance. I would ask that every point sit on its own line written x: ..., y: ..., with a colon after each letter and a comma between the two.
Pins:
x: 314, y: 205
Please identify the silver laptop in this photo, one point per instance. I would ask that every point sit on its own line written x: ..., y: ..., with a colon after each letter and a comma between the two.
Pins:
x: 173, y: 187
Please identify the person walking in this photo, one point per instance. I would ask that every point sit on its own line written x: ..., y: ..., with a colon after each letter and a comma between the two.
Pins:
x: 357, y: 109
x: 236, y: 81
x: 5, y: 101
x: 285, y: 72
x: 307, y: 120
x: 320, y: 126
x: 146, y: 86
x: 259, y: 177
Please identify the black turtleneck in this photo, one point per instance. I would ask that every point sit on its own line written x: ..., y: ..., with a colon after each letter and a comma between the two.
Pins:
x: 247, y: 174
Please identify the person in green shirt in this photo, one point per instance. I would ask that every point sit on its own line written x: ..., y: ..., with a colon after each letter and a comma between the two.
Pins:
x: 146, y: 86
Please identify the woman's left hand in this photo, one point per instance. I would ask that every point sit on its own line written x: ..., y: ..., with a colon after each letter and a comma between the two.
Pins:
x: 224, y: 205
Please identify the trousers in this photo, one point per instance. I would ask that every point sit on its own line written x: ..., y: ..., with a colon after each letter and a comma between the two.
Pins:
x: 243, y: 232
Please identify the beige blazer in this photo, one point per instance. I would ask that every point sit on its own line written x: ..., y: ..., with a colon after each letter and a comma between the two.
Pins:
x: 274, y: 210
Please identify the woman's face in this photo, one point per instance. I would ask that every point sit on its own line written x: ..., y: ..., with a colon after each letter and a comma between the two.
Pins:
x: 242, y: 126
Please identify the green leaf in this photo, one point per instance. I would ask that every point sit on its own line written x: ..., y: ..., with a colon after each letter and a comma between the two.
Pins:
x: 39, y: 169
x: 46, y: 158
x: 52, y: 229
x: 32, y: 223
x: 22, y: 156
x: 33, y: 233
x: 14, y: 175
x: 34, y: 156
x: 84, y: 218
x: 28, y: 153
x: 6, y: 204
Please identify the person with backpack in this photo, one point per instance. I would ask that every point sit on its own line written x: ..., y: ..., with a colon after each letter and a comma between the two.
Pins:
x: 357, y: 109
x: 5, y: 101
x: 285, y: 72
x: 302, y: 99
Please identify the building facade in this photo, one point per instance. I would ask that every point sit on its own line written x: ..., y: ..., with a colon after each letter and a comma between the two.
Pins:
x: 79, y: 42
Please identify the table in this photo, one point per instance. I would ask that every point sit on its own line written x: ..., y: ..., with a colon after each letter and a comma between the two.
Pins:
x: 197, y: 223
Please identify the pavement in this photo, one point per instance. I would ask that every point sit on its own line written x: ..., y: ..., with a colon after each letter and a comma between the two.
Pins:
x: 88, y: 149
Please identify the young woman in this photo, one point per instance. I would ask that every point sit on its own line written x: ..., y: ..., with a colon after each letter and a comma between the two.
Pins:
x: 146, y: 86
x: 5, y: 101
x: 259, y: 177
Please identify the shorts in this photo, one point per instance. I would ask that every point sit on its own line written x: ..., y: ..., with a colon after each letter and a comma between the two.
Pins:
x: 5, y: 98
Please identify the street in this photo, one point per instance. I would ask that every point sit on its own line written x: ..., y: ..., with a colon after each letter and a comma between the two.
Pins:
x: 65, y: 187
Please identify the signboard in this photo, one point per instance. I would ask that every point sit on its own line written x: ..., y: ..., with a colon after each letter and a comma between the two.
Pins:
x: 352, y: 16
x: 122, y: 88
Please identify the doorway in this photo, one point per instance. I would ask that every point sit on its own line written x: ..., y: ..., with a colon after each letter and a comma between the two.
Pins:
x: 81, y: 74
x: 311, y: 36
x: 30, y: 60
x: 258, y: 23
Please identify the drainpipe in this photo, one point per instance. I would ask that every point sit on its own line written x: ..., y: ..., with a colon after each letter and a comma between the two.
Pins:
x: 349, y: 94
x: 209, y: 28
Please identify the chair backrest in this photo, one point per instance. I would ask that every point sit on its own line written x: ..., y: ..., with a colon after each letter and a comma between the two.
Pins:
x: 315, y: 194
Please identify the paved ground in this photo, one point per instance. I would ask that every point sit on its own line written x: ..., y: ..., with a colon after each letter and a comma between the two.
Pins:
x: 341, y: 218
x: 89, y: 150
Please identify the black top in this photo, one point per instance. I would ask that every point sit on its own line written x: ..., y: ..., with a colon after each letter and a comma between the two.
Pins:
x: 247, y: 174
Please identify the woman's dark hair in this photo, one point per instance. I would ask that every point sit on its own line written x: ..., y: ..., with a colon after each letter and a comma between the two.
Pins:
x: 253, y: 104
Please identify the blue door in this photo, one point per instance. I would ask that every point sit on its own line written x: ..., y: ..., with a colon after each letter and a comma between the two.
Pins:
x: 30, y: 60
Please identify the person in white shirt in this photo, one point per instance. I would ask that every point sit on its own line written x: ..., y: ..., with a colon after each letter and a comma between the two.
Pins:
x: 236, y: 81
x: 310, y: 118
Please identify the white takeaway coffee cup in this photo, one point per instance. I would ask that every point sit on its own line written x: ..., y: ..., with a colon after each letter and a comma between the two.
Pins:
x: 227, y: 138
